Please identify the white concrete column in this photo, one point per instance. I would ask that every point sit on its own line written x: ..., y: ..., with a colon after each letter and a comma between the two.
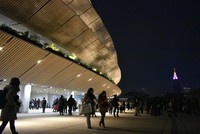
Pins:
x: 25, y: 93
x: 68, y: 94
x: 73, y: 94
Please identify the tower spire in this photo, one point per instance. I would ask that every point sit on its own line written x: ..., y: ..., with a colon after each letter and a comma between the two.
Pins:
x: 175, y: 77
x: 176, y: 84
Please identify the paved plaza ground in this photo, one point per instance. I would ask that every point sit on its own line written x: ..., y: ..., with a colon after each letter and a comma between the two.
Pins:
x: 36, y: 122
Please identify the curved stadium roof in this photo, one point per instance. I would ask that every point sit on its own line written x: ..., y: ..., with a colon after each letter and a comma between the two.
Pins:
x: 72, y: 24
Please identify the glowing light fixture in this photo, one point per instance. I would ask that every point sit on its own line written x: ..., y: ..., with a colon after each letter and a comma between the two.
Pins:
x: 78, y: 75
x: 52, y: 46
x: 94, y: 69
x: 39, y: 61
x: 2, y: 80
x: 73, y: 56
x: 1, y: 48
x: 90, y: 79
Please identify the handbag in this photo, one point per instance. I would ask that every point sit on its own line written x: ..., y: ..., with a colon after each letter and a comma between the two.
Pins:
x: 85, y: 108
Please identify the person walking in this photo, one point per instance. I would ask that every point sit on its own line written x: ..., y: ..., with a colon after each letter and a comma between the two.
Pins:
x: 44, y: 103
x: 115, y: 102
x: 9, y: 112
x: 90, y: 98
x: 103, y: 107
x: 71, y: 103
x: 61, y: 104
x: 137, y: 107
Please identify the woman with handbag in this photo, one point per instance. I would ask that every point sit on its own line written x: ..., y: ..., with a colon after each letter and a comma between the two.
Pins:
x: 90, y: 98
x: 103, y: 107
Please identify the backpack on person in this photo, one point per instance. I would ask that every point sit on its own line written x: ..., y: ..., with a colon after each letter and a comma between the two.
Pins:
x: 2, y: 98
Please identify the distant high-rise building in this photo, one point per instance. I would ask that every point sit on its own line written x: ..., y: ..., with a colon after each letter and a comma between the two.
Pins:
x: 176, y: 84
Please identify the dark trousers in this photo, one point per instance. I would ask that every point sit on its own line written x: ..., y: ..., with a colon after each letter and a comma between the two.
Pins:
x: 61, y: 111
x: 103, y: 114
x: 12, y: 126
x: 43, y: 109
x: 70, y: 110
x: 88, y: 121
x: 116, y: 108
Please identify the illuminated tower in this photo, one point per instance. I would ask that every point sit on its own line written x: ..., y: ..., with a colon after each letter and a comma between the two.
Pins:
x: 176, y: 84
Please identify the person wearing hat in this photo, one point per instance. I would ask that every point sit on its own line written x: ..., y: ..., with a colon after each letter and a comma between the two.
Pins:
x: 9, y: 112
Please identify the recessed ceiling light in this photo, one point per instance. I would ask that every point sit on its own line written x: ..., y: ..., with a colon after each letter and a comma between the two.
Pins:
x: 39, y: 61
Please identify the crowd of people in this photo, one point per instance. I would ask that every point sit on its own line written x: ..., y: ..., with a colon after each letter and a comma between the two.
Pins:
x: 61, y: 104
x: 155, y: 106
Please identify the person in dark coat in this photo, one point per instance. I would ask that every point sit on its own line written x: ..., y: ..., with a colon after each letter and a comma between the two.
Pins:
x: 61, y: 104
x: 103, y: 107
x: 71, y: 103
x: 115, y: 102
x: 44, y: 103
x: 9, y: 112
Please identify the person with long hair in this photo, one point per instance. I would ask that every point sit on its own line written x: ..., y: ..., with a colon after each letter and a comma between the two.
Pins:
x: 103, y: 107
x: 90, y: 98
x: 9, y: 112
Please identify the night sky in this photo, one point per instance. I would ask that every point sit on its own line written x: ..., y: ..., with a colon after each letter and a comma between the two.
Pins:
x: 152, y: 37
